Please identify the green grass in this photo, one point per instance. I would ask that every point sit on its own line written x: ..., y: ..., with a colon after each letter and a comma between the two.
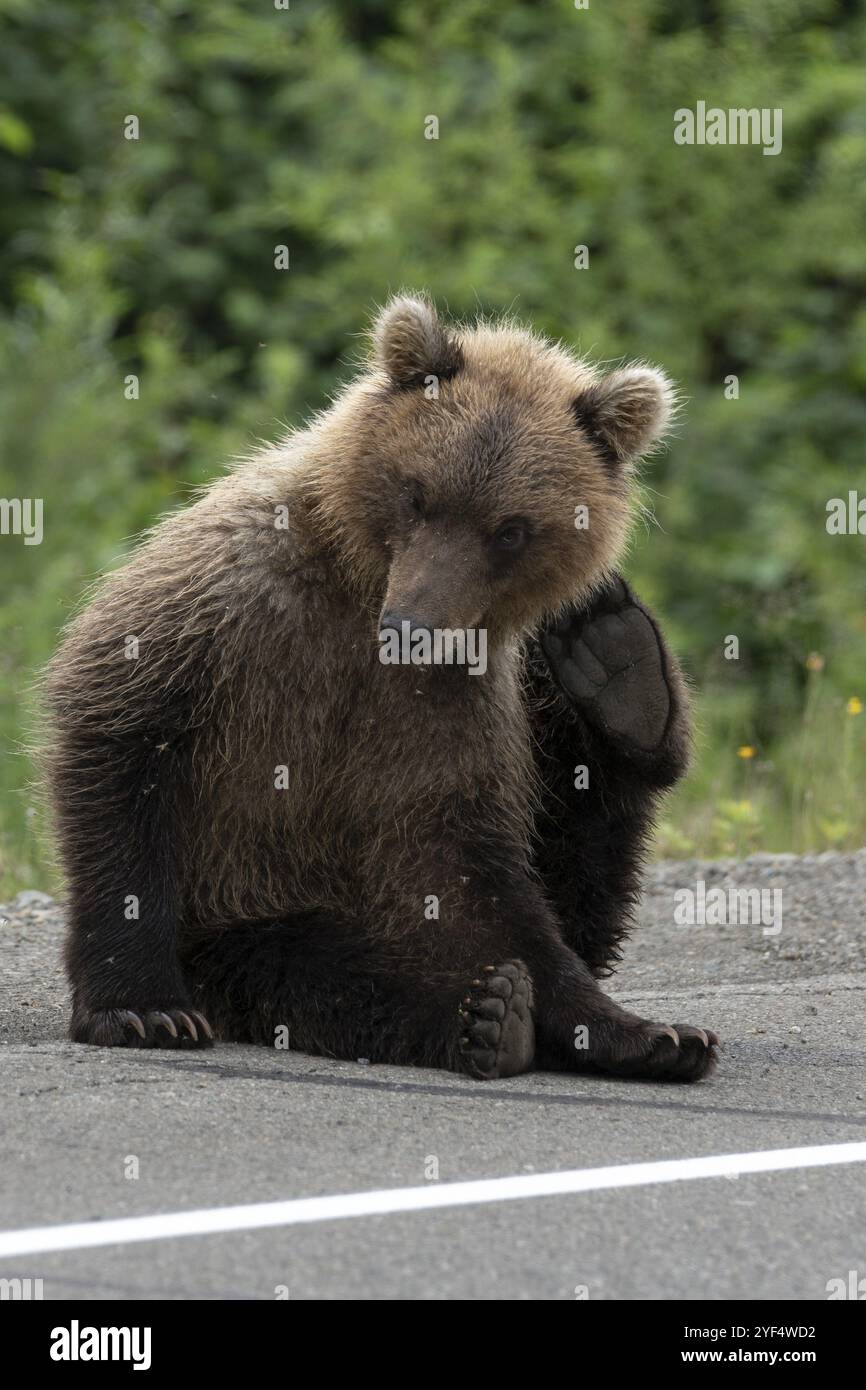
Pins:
x: 800, y: 794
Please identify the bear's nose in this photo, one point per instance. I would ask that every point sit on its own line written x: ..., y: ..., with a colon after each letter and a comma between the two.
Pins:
x: 395, y: 620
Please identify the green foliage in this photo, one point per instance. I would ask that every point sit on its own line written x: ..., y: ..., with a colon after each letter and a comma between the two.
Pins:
x: 304, y: 127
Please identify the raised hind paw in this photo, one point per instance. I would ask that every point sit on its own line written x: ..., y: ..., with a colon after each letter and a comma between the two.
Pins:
x: 170, y: 1027
x: 609, y: 660
x: 497, y: 1036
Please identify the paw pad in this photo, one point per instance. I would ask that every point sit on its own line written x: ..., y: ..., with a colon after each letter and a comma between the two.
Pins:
x: 608, y: 659
x: 498, y: 1032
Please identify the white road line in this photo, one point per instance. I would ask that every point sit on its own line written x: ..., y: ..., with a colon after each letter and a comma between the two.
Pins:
x: 298, y: 1211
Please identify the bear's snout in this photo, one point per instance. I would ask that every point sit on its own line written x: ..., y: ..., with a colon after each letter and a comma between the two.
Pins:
x: 391, y: 621
x: 438, y: 580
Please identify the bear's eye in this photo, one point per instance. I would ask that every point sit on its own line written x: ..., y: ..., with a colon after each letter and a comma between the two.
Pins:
x: 510, y: 538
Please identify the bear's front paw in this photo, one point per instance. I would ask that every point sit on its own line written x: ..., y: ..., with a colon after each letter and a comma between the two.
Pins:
x: 498, y: 1034
x: 608, y: 660
x: 170, y: 1027
x: 658, y: 1051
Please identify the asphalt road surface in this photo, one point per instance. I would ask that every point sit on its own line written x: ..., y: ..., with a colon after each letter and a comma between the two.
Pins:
x: 90, y: 1135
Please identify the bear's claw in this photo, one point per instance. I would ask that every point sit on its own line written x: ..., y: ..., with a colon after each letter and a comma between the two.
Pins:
x: 171, y: 1027
x: 498, y: 1037
x: 661, y: 1052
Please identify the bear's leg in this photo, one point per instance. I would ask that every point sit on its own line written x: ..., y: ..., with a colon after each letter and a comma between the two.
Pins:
x: 610, y: 720
x: 118, y: 817
x: 491, y: 909
x: 328, y: 986
x: 478, y: 992
x: 609, y: 716
x: 577, y: 1026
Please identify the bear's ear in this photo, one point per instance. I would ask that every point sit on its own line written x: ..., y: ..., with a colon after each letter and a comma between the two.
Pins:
x: 411, y: 344
x: 627, y: 412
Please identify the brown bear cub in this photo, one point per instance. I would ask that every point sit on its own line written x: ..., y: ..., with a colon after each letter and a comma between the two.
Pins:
x: 273, y: 826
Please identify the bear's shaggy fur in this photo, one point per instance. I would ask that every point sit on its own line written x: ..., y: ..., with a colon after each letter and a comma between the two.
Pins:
x: 264, y: 827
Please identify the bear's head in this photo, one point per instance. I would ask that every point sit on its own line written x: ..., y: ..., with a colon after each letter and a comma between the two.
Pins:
x: 484, y: 475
